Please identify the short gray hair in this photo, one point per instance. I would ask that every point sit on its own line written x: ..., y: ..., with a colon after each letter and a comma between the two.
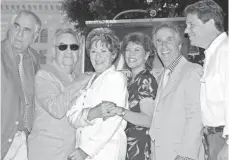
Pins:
x: 28, y: 13
x: 167, y: 25
x: 65, y: 31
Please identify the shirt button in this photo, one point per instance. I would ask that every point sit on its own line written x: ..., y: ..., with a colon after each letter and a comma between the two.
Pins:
x: 9, y: 140
x: 16, y: 122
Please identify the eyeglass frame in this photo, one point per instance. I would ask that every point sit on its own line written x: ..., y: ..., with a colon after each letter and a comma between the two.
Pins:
x: 68, y: 45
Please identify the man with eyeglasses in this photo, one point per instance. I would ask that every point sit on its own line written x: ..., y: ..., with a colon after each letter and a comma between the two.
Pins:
x: 52, y: 137
x: 205, y: 28
x: 19, y: 64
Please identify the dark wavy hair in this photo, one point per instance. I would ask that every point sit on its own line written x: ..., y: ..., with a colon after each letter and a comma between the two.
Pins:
x: 206, y: 10
x: 107, y: 37
x: 145, y: 41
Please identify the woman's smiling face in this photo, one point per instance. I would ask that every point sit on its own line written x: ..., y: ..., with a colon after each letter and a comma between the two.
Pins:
x: 101, y: 57
x: 135, y: 55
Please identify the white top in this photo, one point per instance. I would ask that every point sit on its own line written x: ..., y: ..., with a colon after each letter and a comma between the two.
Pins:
x: 215, y: 85
x: 98, y: 138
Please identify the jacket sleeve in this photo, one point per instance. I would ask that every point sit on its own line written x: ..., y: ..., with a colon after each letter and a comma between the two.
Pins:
x: 50, y: 95
x: 10, y: 111
x: 114, y: 90
x: 191, y: 142
x: 77, y: 115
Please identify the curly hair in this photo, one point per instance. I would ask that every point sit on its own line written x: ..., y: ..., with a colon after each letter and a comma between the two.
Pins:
x: 107, y: 37
x: 206, y: 10
x: 145, y: 41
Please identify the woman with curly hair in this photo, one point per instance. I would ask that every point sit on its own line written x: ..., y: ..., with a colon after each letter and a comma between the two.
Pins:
x: 100, y: 136
x: 139, y: 54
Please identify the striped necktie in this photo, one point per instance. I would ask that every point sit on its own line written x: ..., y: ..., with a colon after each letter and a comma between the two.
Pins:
x: 26, y: 89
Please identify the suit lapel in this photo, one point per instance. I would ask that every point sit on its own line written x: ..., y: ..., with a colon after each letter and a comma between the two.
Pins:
x: 8, y: 55
x: 11, y: 68
x: 159, y: 90
x: 174, y: 78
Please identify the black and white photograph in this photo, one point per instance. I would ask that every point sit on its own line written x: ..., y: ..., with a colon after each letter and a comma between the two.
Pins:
x: 114, y: 80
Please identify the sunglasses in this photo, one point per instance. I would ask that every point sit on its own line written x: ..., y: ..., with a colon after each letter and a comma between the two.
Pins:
x: 63, y: 47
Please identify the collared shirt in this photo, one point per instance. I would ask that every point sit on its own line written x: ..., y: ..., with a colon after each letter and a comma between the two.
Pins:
x: 174, y: 64
x: 214, y: 95
x: 168, y: 71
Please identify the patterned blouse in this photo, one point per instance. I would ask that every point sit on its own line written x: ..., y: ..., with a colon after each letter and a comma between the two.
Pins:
x: 138, y: 140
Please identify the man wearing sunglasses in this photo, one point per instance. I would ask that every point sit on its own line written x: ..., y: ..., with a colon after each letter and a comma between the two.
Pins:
x: 52, y: 137
x: 19, y: 64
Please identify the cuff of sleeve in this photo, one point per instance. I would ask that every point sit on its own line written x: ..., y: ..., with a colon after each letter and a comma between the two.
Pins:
x: 88, y: 149
x: 85, y: 115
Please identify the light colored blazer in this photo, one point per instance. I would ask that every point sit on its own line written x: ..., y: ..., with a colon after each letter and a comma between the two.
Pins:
x: 176, y: 125
x: 101, y: 139
x: 51, y: 137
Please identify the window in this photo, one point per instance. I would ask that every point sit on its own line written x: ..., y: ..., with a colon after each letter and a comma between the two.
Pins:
x: 43, y: 36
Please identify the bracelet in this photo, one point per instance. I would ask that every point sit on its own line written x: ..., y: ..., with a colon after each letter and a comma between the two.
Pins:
x: 122, y: 114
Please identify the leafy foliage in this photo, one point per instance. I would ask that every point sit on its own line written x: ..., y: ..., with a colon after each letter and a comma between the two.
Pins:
x: 83, y: 10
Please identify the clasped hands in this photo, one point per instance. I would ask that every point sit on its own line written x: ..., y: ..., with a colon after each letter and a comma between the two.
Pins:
x: 104, y: 110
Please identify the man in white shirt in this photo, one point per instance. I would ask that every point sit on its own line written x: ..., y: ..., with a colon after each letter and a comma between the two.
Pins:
x: 204, y: 21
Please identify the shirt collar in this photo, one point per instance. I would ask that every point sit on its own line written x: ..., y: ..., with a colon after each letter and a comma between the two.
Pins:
x: 211, y: 49
x: 112, y: 68
x: 174, y: 64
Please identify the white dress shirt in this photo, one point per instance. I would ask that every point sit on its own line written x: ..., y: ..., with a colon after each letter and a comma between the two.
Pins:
x: 215, y: 85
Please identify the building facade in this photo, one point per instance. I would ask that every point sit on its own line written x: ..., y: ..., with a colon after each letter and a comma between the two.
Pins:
x: 52, y: 18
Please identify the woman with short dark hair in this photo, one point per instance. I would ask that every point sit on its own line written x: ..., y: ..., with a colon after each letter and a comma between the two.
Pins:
x: 139, y: 53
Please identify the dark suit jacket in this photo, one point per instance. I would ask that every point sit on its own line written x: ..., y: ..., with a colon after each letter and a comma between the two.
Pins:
x: 12, y: 96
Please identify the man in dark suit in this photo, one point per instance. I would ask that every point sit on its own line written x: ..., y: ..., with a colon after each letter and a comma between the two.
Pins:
x: 19, y: 64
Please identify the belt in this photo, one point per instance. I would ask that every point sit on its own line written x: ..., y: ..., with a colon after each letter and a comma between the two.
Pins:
x: 213, y: 130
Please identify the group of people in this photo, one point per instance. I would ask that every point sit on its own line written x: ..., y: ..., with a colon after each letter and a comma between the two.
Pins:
x: 47, y: 112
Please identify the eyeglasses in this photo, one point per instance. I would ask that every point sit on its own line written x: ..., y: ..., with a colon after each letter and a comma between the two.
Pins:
x: 63, y: 47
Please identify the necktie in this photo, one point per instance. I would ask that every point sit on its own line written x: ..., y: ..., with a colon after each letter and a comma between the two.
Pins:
x: 26, y: 90
x: 165, y: 78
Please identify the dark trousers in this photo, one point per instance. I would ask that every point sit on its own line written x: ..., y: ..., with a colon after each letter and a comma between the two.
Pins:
x: 215, y: 143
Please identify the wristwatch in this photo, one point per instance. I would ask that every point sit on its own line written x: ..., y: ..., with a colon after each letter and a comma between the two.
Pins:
x: 122, y: 114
